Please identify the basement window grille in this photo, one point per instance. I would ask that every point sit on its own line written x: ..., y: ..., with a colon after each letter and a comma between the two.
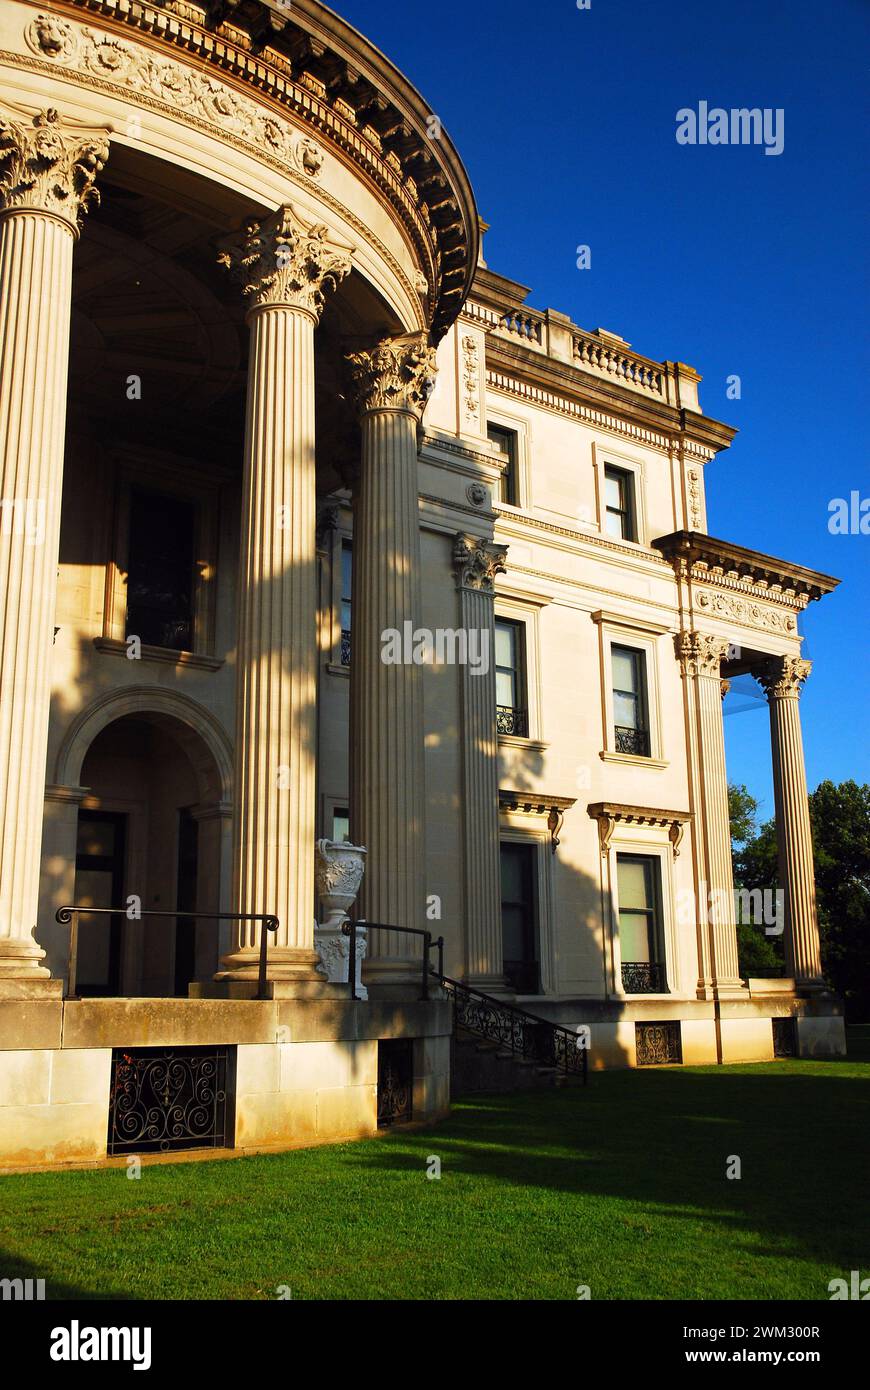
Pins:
x: 658, y: 1044
x: 395, y: 1081
x: 163, y: 1099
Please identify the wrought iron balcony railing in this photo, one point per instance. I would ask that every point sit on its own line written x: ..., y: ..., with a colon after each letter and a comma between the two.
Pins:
x: 527, y: 1035
x: 345, y: 646
x: 643, y: 977
x: 632, y: 741
x: 512, y: 721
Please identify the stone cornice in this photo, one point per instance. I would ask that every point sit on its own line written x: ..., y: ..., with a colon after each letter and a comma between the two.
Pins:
x: 281, y: 261
x: 700, y: 436
x: 575, y: 404
x: 609, y: 814
x: 703, y: 556
x: 48, y: 165
x: 308, y: 61
x: 535, y: 804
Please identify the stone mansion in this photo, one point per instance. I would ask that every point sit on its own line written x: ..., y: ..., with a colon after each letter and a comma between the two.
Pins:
x: 315, y: 535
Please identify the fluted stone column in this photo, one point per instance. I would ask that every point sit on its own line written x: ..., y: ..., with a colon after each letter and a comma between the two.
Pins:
x: 392, y: 383
x: 476, y: 563
x: 285, y: 267
x: 47, y: 173
x: 782, y: 679
x: 700, y: 658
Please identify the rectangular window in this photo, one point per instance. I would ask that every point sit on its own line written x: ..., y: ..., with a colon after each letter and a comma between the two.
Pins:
x: 510, y: 678
x: 506, y: 442
x: 518, y: 925
x: 619, y: 504
x: 340, y: 824
x: 346, y: 590
x: 630, y: 712
x: 640, y: 936
x: 99, y: 882
x: 160, y: 579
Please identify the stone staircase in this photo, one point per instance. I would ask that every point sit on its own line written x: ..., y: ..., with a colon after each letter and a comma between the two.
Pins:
x: 499, y: 1047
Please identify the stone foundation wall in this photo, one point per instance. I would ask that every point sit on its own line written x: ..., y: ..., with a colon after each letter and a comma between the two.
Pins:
x: 302, y: 1072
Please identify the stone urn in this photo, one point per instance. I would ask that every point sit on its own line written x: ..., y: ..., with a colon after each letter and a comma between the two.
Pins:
x: 338, y: 872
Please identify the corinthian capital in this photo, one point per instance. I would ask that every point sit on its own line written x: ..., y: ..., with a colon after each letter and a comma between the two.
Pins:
x: 783, y: 676
x: 281, y: 261
x: 700, y: 654
x: 47, y: 165
x: 397, y: 374
x: 476, y: 563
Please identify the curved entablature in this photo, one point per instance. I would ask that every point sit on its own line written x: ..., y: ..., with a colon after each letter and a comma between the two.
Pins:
x: 306, y: 61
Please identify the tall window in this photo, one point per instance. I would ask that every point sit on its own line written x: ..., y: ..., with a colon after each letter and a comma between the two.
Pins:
x: 510, y: 678
x: 346, y: 578
x: 640, y: 935
x: 630, y: 718
x: 619, y: 504
x: 506, y: 442
x: 160, y: 570
x: 519, y: 934
x: 341, y: 824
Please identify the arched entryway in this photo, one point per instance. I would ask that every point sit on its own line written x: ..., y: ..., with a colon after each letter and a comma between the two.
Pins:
x: 151, y: 832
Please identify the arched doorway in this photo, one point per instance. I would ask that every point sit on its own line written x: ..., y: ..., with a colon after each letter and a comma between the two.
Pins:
x: 151, y: 835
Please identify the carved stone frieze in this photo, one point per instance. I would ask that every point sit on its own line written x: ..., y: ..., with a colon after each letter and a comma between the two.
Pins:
x: 746, y: 611
x: 471, y: 377
x: 189, y: 91
x: 50, y: 166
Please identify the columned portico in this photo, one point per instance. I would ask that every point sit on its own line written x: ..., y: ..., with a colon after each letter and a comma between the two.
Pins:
x: 285, y: 268
x: 392, y: 383
x: 782, y: 679
x: 700, y: 657
x: 476, y: 563
x: 46, y: 183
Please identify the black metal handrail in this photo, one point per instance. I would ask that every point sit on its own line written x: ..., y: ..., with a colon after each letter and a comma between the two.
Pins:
x: 350, y: 929
x: 69, y: 916
x: 530, y: 1036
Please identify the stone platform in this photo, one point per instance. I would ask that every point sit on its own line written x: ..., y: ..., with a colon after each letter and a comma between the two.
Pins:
x: 299, y: 1071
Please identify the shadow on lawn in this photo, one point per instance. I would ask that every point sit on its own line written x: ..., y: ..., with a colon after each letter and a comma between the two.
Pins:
x: 663, y: 1140
x: 14, y: 1266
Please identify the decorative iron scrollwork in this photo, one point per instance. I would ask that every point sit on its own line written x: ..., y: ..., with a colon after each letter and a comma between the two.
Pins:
x: 643, y: 977
x: 632, y: 741
x: 395, y: 1081
x: 345, y: 646
x: 658, y: 1044
x: 535, y: 1039
x: 512, y: 721
x: 167, y: 1098
x: 784, y: 1037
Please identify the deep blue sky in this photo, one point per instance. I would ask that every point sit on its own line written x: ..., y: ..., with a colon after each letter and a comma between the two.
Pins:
x: 724, y: 257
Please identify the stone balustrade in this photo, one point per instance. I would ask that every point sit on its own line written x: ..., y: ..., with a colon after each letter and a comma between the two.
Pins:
x: 607, y: 358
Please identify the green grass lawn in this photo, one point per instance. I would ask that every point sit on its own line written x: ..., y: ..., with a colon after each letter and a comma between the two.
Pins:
x: 621, y: 1187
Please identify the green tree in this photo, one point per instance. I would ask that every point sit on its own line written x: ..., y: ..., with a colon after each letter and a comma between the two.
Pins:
x: 840, y: 821
x: 754, y: 867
